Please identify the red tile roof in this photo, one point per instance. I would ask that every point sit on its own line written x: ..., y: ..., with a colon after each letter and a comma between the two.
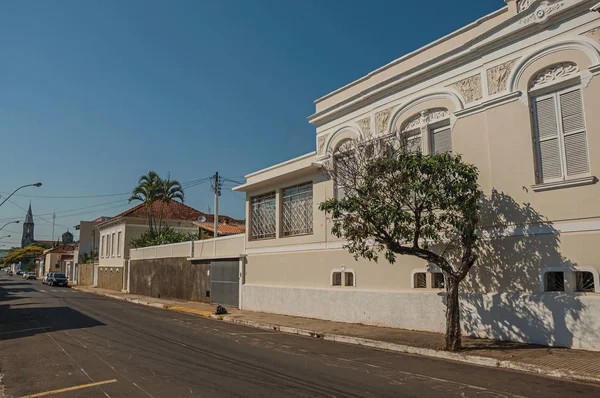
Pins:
x: 174, y: 210
x: 62, y: 249
x: 223, y: 229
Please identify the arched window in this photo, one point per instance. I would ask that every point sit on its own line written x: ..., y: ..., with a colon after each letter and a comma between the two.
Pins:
x: 427, y: 132
x: 344, y: 163
x: 559, y: 124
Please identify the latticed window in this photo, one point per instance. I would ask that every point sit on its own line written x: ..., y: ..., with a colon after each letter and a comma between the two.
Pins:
x: 336, y: 279
x: 438, y: 280
x: 263, y: 216
x: 420, y: 280
x: 585, y: 282
x: 555, y: 282
x: 413, y: 142
x: 298, y: 210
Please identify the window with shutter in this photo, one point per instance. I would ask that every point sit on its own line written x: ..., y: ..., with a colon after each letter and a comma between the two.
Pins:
x: 561, y: 136
x: 441, y: 140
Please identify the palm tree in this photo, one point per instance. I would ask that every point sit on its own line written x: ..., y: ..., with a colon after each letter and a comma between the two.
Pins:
x: 168, y: 190
x: 147, y: 192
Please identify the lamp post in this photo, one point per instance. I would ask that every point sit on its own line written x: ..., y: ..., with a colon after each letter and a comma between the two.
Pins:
x: 37, y: 185
x: 12, y: 222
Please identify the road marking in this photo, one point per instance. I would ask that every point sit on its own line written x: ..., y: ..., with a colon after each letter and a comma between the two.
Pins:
x: 26, y: 330
x: 79, y: 387
x: 55, y: 291
x: 43, y: 291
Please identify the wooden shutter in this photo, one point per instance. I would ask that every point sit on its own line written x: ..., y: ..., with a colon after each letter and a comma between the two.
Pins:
x: 546, y: 123
x: 442, y: 140
x: 573, y: 126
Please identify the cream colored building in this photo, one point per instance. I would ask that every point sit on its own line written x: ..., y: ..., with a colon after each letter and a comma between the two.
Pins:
x: 517, y: 93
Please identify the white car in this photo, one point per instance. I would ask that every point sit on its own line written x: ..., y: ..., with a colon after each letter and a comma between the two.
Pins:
x: 46, y: 278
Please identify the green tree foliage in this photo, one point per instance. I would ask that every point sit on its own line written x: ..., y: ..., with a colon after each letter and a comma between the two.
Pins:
x: 166, y: 236
x: 152, y: 188
x: 401, y: 203
x: 26, y: 254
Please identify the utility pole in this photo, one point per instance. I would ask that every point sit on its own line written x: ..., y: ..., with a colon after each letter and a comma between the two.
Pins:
x: 217, y: 190
x: 53, y: 221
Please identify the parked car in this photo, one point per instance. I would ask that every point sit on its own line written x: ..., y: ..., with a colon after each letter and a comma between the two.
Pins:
x: 59, y: 280
x: 20, y: 272
x: 30, y: 275
x: 24, y: 274
x: 46, y: 278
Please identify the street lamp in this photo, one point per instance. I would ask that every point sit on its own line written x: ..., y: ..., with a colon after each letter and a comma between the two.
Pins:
x: 37, y: 185
x: 12, y: 222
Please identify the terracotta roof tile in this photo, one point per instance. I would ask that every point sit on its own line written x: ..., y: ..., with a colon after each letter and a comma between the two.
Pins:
x: 173, y: 210
x: 223, y: 229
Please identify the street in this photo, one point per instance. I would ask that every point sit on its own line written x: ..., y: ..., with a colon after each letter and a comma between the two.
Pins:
x: 87, y: 345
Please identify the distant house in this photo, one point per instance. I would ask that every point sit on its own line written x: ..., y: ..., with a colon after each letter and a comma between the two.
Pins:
x: 223, y: 229
x: 58, y: 259
x: 116, y: 234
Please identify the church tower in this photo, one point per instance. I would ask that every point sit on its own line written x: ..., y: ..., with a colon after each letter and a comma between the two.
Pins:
x: 27, y: 238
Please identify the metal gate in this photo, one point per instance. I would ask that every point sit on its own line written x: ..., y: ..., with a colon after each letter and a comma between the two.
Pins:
x: 225, y: 282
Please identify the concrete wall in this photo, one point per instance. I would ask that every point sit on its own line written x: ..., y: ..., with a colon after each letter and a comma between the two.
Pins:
x: 564, y: 320
x: 86, y: 274
x: 111, y: 278
x: 175, y: 278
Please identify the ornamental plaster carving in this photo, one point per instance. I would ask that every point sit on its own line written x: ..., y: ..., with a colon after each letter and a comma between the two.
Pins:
x: 381, y: 121
x: 542, y: 13
x: 321, y: 143
x: 470, y: 88
x: 593, y: 34
x: 497, y: 77
x: 556, y: 72
x: 365, y: 126
x: 423, y: 119
x: 524, y: 4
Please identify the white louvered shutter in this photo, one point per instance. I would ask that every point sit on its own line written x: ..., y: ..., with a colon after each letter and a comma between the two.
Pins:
x: 442, y: 140
x: 573, y: 126
x: 548, y: 139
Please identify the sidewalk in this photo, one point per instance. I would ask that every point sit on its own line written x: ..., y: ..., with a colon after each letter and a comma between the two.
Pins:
x: 553, y: 362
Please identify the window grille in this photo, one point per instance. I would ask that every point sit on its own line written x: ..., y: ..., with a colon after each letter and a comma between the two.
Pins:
x: 555, y: 282
x: 298, y: 210
x: 413, y: 142
x: 349, y: 278
x: 263, y: 216
x: 438, y: 280
x: 336, y: 279
x: 585, y: 282
x: 420, y: 280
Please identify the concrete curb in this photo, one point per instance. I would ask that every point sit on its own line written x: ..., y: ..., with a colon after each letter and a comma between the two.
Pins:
x: 427, y: 352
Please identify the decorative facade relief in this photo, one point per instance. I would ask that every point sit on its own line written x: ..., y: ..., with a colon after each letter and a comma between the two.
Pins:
x: 542, y: 13
x: 497, y: 77
x: 470, y: 88
x: 321, y: 144
x: 593, y: 34
x: 425, y: 118
x: 524, y: 5
x: 381, y: 121
x: 365, y: 126
x: 556, y: 72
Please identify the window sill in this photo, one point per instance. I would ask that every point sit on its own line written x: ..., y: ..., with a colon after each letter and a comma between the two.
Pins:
x: 564, y: 184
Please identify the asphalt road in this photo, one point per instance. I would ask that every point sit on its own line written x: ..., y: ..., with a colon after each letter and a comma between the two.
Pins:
x: 61, y: 339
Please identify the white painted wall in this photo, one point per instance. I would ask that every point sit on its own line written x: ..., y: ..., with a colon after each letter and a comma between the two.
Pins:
x: 555, y: 319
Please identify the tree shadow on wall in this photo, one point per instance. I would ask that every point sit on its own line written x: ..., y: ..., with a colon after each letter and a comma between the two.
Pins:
x: 503, y: 296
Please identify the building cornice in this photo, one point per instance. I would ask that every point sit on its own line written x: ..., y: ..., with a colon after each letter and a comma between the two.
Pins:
x: 512, y: 30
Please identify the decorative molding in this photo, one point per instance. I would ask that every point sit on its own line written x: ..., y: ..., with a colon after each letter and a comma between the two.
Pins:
x: 365, y: 126
x: 550, y: 75
x: 497, y: 101
x: 470, y: 88
x: 413, y: 123
x: 437, y: 114
x: 497, y: 77
x: 524, y: 5
x: 542, y: 13
x: 381, y: 121
x: 424, y: 118
x: 593, y: 34
x: 321, y: 143
x: 564, y: 184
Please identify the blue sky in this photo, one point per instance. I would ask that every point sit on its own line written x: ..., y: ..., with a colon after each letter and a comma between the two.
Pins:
x: 95, y: 93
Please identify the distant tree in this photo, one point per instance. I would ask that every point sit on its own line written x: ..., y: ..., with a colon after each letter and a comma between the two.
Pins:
x: 28, y: 253
x: 168, y: 190
x: 166, y: 236
x: 147, y: 191
x: 394, y: 201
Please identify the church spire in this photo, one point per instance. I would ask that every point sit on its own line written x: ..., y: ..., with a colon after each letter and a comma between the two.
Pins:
x: 29, y: 216
x: 28, y: 226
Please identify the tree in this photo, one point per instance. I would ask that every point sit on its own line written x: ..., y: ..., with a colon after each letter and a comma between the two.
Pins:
x: 147, y: 192
x: 397, y: 201
x: 168, y: 190
x: 25, y: 254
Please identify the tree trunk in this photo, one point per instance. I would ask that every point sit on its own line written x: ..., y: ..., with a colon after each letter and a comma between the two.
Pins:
x: 453, y: 333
